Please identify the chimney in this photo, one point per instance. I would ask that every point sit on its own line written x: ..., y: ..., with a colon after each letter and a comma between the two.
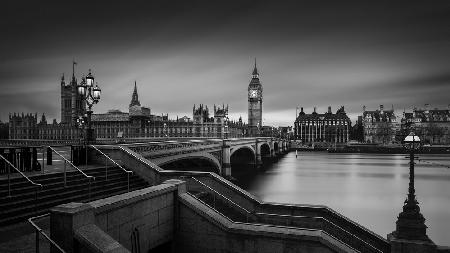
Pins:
x: 302, y: 108
x: 314, y: 109
x: 364, y: 108
x: 329, y: 109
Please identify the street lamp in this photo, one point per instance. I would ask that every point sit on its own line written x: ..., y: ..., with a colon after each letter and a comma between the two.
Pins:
x: 91, y: 94
x: 165, y: 130
x: 410, y: 222
x: 259, y: 130
x: 226, y: 128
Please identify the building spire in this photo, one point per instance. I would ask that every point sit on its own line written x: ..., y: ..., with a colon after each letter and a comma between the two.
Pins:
x: 255, y: 73
x: 73, y: 71
x: 135, y: 97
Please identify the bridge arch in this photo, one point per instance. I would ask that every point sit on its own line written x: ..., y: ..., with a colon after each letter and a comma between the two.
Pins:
x: 242, y: 161
x: 249, y: 147
x: 275, y: 147
x: 265, y: 150
x: 196, y: 162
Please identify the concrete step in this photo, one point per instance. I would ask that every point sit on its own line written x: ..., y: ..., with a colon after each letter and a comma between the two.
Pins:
x: 28, y: 198
x: 64, y: 194
x: 26, y: 187
x: 44, y: 208
x: 48, y: 178
x: 22, y: 203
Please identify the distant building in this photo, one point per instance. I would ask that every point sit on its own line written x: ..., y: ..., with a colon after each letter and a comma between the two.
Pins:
x: 326, y: 128
x: 4, y: 130
x: 357, y: 133
x: 72, y: 104
x: 380, y: 126
x: 255, y: 96
x: 23, y: 126
x: 431, y: 125
x: 138, y: 122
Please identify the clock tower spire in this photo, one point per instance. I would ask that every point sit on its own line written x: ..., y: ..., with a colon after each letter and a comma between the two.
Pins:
x: 255, y: 95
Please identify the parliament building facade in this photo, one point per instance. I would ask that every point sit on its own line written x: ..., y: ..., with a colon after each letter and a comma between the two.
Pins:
x: 138, y: 122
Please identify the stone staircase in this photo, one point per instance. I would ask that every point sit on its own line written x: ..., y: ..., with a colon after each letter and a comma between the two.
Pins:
x: 234, y: 213
x: 22, y: 204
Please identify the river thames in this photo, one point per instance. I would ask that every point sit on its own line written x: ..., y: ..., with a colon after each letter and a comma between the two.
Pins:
x: 367, y: 188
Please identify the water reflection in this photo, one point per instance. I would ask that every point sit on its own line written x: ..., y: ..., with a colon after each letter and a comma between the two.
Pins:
x: 368, y: 188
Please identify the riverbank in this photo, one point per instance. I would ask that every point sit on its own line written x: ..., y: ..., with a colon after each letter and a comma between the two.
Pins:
x: 388, y: 149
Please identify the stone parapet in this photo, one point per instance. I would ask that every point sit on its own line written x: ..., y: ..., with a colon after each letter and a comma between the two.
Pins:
x: 144, y: 218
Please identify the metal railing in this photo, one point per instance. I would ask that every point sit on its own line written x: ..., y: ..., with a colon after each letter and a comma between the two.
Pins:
x: 114, y: 162
x: 352, y: 240
x: 65, y: 170
x: 38, y: 186
x: 39, y: 230
x: 247, y: 212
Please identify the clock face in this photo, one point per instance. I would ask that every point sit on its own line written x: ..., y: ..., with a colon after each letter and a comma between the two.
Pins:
x: 253, y: 93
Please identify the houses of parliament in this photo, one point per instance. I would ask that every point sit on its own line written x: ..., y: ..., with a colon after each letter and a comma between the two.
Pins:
x: 138, y: 122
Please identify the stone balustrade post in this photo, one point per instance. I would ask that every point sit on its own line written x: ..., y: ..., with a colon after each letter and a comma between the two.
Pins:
x: 258, y: 159
x: 65, y: 220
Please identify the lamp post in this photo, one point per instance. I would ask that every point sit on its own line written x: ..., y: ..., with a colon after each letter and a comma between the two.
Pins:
x: 91, y: 95
x: 226, y: 128
x: 165, y: 130
x: 410, y: 224
x: 259, y: 130
x: 80, y: 125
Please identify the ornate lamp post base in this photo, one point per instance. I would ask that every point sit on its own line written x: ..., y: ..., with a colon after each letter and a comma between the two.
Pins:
x: 410, y: 234
x: 411, y: 223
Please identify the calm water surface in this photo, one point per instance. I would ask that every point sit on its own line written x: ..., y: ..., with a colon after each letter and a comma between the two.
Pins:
x: 367, y: 188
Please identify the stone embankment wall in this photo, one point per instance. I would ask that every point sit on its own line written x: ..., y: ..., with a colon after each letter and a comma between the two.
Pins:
x: 143, y: 217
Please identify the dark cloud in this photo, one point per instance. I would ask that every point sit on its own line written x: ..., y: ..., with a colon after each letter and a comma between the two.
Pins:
x: 309, y: 53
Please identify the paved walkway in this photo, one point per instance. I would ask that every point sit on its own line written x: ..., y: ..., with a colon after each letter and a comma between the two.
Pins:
x: 20, y: 237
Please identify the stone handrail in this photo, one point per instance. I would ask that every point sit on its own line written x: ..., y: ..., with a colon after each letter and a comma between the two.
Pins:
x: 177, y: 151
x: 274, y: 231
x: 320, y: 223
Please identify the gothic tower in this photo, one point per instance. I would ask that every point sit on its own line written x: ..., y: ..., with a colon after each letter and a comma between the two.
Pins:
x: 255, y: 95
x: 135, y: 98
x: 66, y: 102
x: 78, y: 104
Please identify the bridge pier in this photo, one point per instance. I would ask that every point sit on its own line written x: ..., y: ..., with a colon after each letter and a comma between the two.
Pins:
x: 272, y: 151
x: 258, y: 158
x: 226, y: 162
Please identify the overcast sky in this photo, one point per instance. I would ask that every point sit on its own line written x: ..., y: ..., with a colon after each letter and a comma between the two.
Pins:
x: 183, y: 53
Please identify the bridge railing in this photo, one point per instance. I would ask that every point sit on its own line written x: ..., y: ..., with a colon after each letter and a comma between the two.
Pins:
x: 161, y: 152
x: 66, y: 161
x: 38, y: 231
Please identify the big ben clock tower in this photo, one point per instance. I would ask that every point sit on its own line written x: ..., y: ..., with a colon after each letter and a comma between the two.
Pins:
x: 255, y: 104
